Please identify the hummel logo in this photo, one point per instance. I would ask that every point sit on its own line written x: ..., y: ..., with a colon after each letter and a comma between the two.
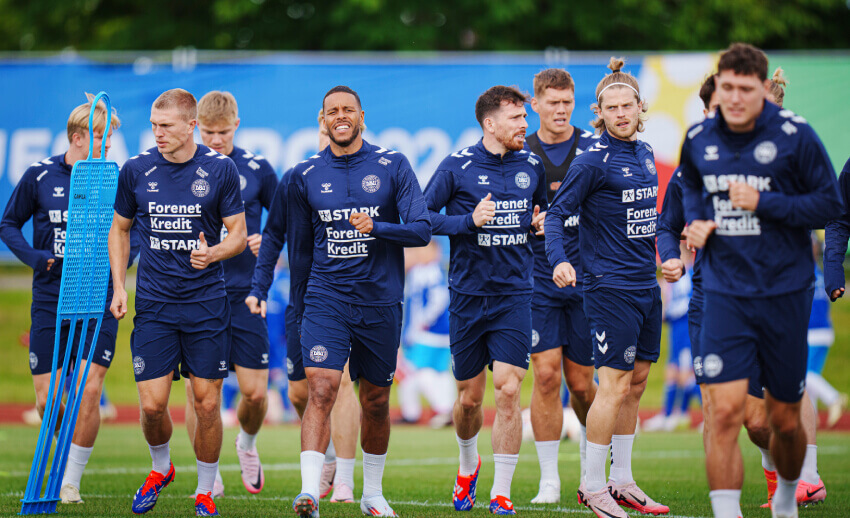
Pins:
x: 58, y: 192
x: 601, y: 337
x: 711, y: 153
x: 602, y: 349
x: 326, y: 188
x: 626, y: 172
x: 482, y: 180
x: 107, y: 355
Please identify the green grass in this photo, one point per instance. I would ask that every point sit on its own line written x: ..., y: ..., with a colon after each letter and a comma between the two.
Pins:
x: 418, y: 478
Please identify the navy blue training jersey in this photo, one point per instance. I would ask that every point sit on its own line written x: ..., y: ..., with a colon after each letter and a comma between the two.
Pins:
x: 671, y: 223
x: 172, y: 204
x: 766, y: 252
x: 258, y: 181
x: 615, y: 185
x: 837, y: 234
x: 495, y: 259
x: 344, y: 264
x: 543, y: 283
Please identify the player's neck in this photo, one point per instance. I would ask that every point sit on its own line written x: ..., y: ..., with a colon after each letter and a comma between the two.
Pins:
x: 350, y: 149
x: 73, y: 155
x: 494, y: 146
x: 549, y: 137
x: 182, y: 154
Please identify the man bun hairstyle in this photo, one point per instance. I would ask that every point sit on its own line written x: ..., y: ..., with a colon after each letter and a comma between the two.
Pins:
x: 743, y: 59
x: 617, y: 79
x: 492, y: 99
x: 777, y: 85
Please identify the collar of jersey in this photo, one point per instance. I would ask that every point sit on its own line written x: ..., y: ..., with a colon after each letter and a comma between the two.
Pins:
x: 615, y: 143
x: 492, y: 158
x: 346, y: 160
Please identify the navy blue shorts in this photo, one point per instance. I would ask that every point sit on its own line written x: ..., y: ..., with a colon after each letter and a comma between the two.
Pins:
x: 694, y: 329
x: 625, y: 326
x: 561, y: 323
x: 743, y: 336
x: 484, y: 329
x: 332, y: 330
x: 181, y: 338
x: 249, y: 339
x: 43, y: 336
x: 294, y: 363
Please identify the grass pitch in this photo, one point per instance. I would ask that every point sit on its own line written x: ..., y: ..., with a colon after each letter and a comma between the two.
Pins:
x: 418, y: 479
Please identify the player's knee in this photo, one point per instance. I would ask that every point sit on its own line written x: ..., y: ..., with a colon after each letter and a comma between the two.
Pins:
x: 785, y: 424
x: 322, y: 394
x: 376, y: 407
x: 580, y: 385
x: 91, y: 392
x: 154, y: 410
x: 469, y: 402
x: 547, y: 380
x: 207, y: 407
x: 255, y: 397
x: 507, y: 391
x: 726, y: 416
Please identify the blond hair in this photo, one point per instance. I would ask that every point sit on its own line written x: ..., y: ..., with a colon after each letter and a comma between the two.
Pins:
x: 617, y: 79
x: 78, y: 121
x: 217, y: 107
x: 179, y: 99
x: 556, y: 78
x: 777, y: 85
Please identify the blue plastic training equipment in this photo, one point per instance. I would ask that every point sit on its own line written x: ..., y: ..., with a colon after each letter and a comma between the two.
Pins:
x: 82, y: 296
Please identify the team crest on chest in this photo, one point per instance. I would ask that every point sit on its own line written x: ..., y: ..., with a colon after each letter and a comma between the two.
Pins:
x: 765, y: 152
x: 371, y: 183
x: 200, y: 188
x: 523, y: 181
x: 650, y: 166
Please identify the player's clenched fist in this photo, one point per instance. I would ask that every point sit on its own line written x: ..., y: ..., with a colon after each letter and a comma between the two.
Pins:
x: 118, y: 308
x: 672, y: 269
x: 564, y: 275
x: 484, y: 212
x: 362, y: 222
x: 254, y: 242
x: 537, y: 220
x: 698, y: 232
x: 203, y: 256
x: 743, y: 196
x: 257, y: 307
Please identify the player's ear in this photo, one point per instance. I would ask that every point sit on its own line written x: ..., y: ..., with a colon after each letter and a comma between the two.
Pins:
x: 238, y: 120
x: 534, y: 104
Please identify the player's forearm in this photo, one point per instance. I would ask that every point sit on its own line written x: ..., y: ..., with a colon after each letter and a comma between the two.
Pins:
x: 554, y: 230
x: 669, y: 237
x: 835, y: 248
x: 443, y: 225
x: 119, y: 254
x: 233, y: 244
x: 416, y: 233
x: 264, y: 270
x: 812, y: 210
x: 14, y: 238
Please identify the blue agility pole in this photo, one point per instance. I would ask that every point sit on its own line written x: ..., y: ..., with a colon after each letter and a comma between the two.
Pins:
x: 82, y: 296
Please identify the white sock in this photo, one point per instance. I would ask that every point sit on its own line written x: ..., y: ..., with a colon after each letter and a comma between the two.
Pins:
x: 311, y: 472
x: 246, y: 441
x: 218, y: 477
x: 330, y: 453
x: 819, y: 388
x: 767, y: 460
x: 344, y: 472
x: 503, y: 473
x: 621, y: 455
x: 373, y: 474
x: 597, y: 455
x: 161, y: 457
x: 78, y: 457
x: 582, y: 452
x: 809, y: 473
x: 206, y: 477
x: 785, y: 498
x: 468, y: 455
x: 547, y: 454
x: 725, y: 502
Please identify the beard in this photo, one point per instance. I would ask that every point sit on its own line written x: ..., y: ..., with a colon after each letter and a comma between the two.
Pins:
x: 622, y: 133
x: 509, y: 142
x: 346, y: 142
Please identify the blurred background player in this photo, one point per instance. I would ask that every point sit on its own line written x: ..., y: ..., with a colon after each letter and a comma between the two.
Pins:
x: 218, y: 120
x: 425, y: 339
x: 821, y: 336
x: 679, y: 383
x: 42, y: 195
x: 182, y: 322
x: 615, y: 185
x: 492, y: 193
x: 280, y: 408
x: 560, y: 337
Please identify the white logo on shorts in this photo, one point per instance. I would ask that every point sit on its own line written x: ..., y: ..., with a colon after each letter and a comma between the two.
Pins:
x: 318, y: 354
x: 371, y: 183
x: 107, y: 355
x: 290, y: 367
x: 523, y: 181
x: 222, y: 365
x: 698, y: 366
x: 390, y: 379
x: 138, y: 365
x: 712, y: 365
x: 200, y: 188
x: 629, y: 355
x: 535, y: 338
x: 33, y: 361
x: 265, y: 358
